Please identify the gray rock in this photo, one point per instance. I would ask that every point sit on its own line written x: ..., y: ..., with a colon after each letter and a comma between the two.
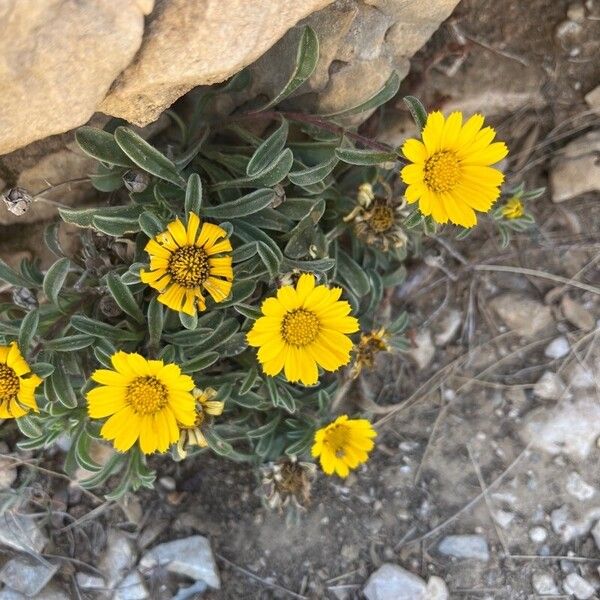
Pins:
x: 424, y: 349
x: 50, y: 592
x: 118, y: 559
x: 522, y: 314
x: 538, y: 534
x: 578, y: 487
x: 577, y: 314
x: 549, y: 386
x: 131, y: 588
x: 596, y: 534
x: 593, y: 98
x: 504, y: 518
x: 437, y: 589
x: 465, y: 546
x: 27, y: 576
x: 8, y: 473
x: 21, y: 533
x: 557, y: 348
x: 191, y: 556
x: 391, y: 582
x: 90, y: 582
x: 448, y: 327
x: 543, y: 584
x: 581, y: 378
x: 578, y: 586
x: 565, y: 524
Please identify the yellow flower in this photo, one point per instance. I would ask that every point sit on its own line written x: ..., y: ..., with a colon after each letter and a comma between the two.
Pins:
x: 513, y: 209
x: 184, y: 263
x: 303, y: 328
x: 450, y: 174
x: 343, y: 445
x: 144, y: 399
x: 205, y: 407
x: 365, y: 351
x: 17, y: 384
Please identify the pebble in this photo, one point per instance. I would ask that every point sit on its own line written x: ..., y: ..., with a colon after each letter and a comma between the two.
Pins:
x: 437, y: 589
x: 391, y: 582
x: 448, y: 327
x: 596, y: 534
x: 8, y: 473
x: 578, y: 586
x: 167, y: 483
x: 191, y: 556
x: 575, y: 313
x: 90, y: 582
x: 581, y: 378
x: 423, y: 350
x: 568, y: 527
x: 118, y: 559
x: 538, y: 535
x: 593, y: 98
x: 549, y: 386
x: 578, y: 487
x: 504, y: 518
x: 544, y: 584
x: 131, y: 588
x: 27, y: 576
x: 465, y: 546
x: 50, y: 592
x: 557, y: 348
x: 21, y: 533
x: 522, y: 314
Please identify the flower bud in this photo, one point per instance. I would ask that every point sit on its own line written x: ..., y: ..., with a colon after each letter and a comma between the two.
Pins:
x: 136, y: 181
x: 17, y: 200
x: 24, y: 298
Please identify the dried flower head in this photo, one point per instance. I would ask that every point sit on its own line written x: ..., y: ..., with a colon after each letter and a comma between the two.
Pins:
x: 367, y: 349
x: 136, y: 181
x: 288, y: 481
x: 17, y: 200
x: 379, y: 225
x: 25, y: 298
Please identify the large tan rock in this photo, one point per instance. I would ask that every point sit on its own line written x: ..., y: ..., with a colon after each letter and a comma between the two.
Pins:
x: 195, y: 42
x: 58, y: 59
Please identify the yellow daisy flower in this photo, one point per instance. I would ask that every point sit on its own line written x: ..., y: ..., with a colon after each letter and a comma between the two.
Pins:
x: 185, y: 262
x: 303, y: 328
x: 205, y: 408
x: 513, y: 209
x: 450, y: 174
x: 343, y: 445
x: 17, y: 384
x: 145, y: 400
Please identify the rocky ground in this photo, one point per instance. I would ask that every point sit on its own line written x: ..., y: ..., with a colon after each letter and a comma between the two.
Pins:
x: 485, y: 482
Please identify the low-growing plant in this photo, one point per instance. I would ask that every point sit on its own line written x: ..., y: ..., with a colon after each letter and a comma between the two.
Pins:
x: 227, y: 287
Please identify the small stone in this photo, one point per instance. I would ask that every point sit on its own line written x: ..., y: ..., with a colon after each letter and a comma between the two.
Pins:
x: 118, y: 558
x: 549, y: 387
x: 576, y: 12
x: 543, y: 584
x: 593, y: 98
x: 437, y: 589
x: 568, y: 527
x: 8, y: 473
x: 504, y: 518
x: 17, y: 201
x: 578, y: 586
x: 577, y: 314
x: 21, y: 533
x: 168, y: 483
x: 538, y: 535
x: 350, y: 552
x: 131, y: 588
x: 190, y: 556
x: 465, y: 546
x: 522, y: 314
x: 596, y: 534
x: 557, y: 348
x: 577, y: 487
x: 448, y: 327
x: 424, y: 349
x: 27, y: 576
x: 580, y: 377
x: 90, y: 582
x: 50, y: 592
x: 391, y: 582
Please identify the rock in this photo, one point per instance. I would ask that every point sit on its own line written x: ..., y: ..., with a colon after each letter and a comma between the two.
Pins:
x: 59, y: 60
x: 27, y: 576
x: 167, y: 483
x: 50, y: 592
x: 190, y: 556
x: 391, y: 582
x: 21, y: 533
x: 579, y: 488
x: 538, y: 535
x: 504, y: 518
x: 175, y: 57
x: 191, y: 592
x: 423, y: 350
x: 557, y: 348
x: 8, y: 473
x: 565, y: 524
x: 577, y: 170
x: 465, y: 546
x: 596, y: 534
x: 118, y: 559
x: 131, y: 588
x: 522, y: 314
x: 593, y: 98
x: 448, y: 327
x: 578, y: 586
x: 570, y: 428
x: 437, y: 589
x: 543, y: 584
x: 577, y: 314
x: 580, y: 377
x: 549, y: 386
x: 90, y: 582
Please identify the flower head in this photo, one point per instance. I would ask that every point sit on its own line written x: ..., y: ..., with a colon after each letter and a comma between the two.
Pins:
x: 17, y: 384
x: 185, y: 262
x: 145, y: 400
x: 343, y: 445
x: 206, y: 407
x: 379, y: 225
x: 287, y: 481
x: 303, y: 327
x: 513, y: 209
x: 365, y: 351
x: 450, y: 175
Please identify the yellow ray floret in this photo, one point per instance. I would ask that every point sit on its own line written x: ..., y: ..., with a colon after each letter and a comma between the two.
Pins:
x: 343, y: 445
x: 145, y: 400
x: 187, y: 261
x: 303, y: 328
x: 450, y: 174
x: 17, y: 384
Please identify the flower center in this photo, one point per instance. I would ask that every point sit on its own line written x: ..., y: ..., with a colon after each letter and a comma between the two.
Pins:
x: 9, y: 383
x: 442, y: 171
x: 147, y: 395
x: 337, y: 439
x: 381, y: 218
x: 188, y: 266
x: 300, y: 327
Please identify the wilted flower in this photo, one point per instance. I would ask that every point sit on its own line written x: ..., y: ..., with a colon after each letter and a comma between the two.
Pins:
x: 17, y: 200
x: 379, y: 225
x: 136, y: 181
x: 365, y: 351
x: 287, y: 481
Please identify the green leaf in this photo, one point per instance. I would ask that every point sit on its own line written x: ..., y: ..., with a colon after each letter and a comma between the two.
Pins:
x: 193, y: 195
x: 250, y: 312
x: 63, y: 390
x: 107, y: 182
x: 150, y: 224
x: 147, y: 157
x: 417, y: 110
x: 353, y: 274
x: 353, y: 156
x: 55, y: 279
x: 28, y: 329
x: 302, y: 445
x: 307, y: 58
x: 9, y: 276
x: 52, y: 241
x: 320, y: 265
x: 399, y: 324
x: 312, y: 175
x: 116, y: 226
x: 83, y: 217
x: 265, y: 429
x: 123, y: 297
x: 271, y: 260
x: 242, y: 207
x: 42, y: 369
x: 102, y: 330
x: 268, y: 151
x: 249, y: 381
x: 156, y: 321
x: 29, y: 427
x: 223, y: 448
x: 69, y: 343
x: 245, y: 251
x: 200, y: 362
x: 387, y: 92
x: 102, y: 146
x: 189, y: 321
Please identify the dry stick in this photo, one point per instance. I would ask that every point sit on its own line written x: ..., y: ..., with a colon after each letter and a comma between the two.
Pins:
x: 252, y: 575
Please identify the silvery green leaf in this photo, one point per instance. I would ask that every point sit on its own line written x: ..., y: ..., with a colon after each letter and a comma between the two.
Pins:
x: 244, y: 252
x: 124, y: 298
x: 353, y: 156
x: 268, y: 151
x: 103, y: 330
x: 150, y: 224
x: 301, y: 446
x: 55, y: 279
x: 28, y: 329
x: 116, y: 226
x: 296, y: 208
x: 156, y: 320
x: 42, y: 369
x: 29, y: 427
x: 107, y: 182
x: 242, y: 207
x: 399, y: 324
x: 271, y: 260
x: 249, y: 233
x: 395, y: 278
x: 265, y: 429
x: 52, y: 241
x: 193, y: 195
x: 63, y: 390
x: 102, y: 146
x: 271, y: 219
x: 11, y: 277
x: 320, y: 265
x: 249, y: 381
x: 250, y: 312
x: 353, y: 274
x: 83, y: 217
x: 417, y: 110
x: 203, y: 361
x: 188, y: 321
x: 312, y: 175
x: 69, y: 343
